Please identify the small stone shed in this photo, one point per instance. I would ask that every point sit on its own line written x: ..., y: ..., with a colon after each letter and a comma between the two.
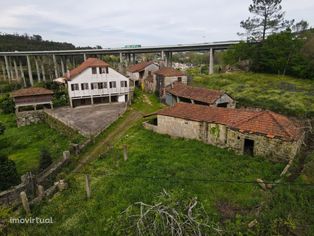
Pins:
x: 179, y: 92
x: 32, y: 97
x: 138, y: 73
x: 251, y: 132
x: 165, y: 76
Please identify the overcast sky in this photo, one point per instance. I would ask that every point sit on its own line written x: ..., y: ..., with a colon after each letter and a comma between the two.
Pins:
x: 114, y: 23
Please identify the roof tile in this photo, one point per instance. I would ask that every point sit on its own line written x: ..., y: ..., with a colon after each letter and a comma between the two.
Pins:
x: 90, y: 62
x: 194, y: 93
x: 32, y: 91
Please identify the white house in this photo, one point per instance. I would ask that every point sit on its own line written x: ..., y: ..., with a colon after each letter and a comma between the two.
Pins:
x: 139, y: 72
x: 94, y: 82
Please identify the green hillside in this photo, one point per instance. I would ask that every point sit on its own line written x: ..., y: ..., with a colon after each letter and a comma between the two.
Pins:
x: 287, y: 95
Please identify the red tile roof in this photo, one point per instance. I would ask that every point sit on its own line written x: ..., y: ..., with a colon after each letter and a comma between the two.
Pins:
x: 266, y: 123
x: 169, y: 72
x: 195, y: 93
x: 32, y: 91
x: 139, y: 67
x: 90, y: 62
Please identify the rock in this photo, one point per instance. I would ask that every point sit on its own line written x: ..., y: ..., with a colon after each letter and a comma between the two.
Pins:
x: 252, y: 223
x: 261, y: 184
x: 62, y: 185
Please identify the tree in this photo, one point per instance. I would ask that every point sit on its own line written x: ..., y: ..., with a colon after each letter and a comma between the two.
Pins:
x: 8, y: 173
x: 268, y: 18
x: 45, y: 159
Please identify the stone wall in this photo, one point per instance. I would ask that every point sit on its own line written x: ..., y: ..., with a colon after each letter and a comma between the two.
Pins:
x: 272, y: 148
x: 219, y: 135
x: 178, y: 127
x: 29, y: 182
x: 29, y: 117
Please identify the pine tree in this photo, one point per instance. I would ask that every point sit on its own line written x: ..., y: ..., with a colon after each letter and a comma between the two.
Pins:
x: 268, y: 18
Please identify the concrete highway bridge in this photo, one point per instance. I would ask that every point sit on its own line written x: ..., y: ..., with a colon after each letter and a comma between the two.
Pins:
x: 13, y: 63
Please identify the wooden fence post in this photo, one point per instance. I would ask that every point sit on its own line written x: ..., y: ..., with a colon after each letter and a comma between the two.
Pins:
x: 41, y: 191
x: 25, y: 202
x: 87, y: 186
x: 125, y: 152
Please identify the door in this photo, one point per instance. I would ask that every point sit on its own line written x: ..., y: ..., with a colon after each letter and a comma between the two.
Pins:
x: 248, y: 147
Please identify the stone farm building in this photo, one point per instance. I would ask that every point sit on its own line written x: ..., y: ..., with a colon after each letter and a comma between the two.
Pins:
x: 178, y: 92
x: 260, y: 133
x: 34, y: 97
x: 94, y: 82
x: 139, y: 72
x: 163, y: 78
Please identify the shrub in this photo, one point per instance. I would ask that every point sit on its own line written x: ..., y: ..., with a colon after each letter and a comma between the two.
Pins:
x: 7, y: 105
x: 45, y: 159
x: 2, y: 128
x: 8, y: 173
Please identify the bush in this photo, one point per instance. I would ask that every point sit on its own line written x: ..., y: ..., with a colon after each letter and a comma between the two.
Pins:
x: 7, y: 105
x: 8, y: 173
x: 2, y: 128
x: 45, y: 159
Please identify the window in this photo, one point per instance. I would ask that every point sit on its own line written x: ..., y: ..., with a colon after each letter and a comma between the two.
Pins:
x: 113, y: 84
x: 124, y: 84
x: 94, y: 70
x: 103, y: 70
x: 179, y: 79
x: 149, y: 73
x: 107, y: 70
x: 94, y: 86
x: 84, y: 86
x: 74, y: 87
x: 100, y: 85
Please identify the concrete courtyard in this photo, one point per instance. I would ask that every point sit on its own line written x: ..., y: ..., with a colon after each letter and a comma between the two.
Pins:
x: 89, y: 120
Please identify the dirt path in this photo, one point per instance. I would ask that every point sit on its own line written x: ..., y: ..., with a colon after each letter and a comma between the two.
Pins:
x: 102, y: 145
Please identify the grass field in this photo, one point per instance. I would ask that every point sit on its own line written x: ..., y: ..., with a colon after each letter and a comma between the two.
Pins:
x: 190, y: 168
x: 117, y: 184
x: 23, y: 145
x: 282, y: 94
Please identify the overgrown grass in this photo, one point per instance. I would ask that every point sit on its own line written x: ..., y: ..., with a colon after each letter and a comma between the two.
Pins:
x: 282, y: 94
x: 146, y: 102
x: 23, y: 145
x: 183, y: 165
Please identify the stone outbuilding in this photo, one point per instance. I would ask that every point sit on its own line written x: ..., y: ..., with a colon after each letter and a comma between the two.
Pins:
x: 251, y: 132
x: 164, y: 77
x: 179, y: 92
x: 138, y: 73
x: 32, y: 97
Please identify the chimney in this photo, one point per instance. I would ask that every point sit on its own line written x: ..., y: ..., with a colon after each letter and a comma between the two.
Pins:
x: 68, y: 74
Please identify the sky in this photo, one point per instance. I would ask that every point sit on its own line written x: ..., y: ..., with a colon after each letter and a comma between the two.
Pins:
x: 115, y: 23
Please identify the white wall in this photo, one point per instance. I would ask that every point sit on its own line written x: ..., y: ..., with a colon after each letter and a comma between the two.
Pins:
x: 87, y: 77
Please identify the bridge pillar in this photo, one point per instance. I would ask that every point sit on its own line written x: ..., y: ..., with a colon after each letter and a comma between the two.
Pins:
x: 11, y: 68
x: 37, y: 69
x: 15, y: 69
x: 22, y: 73
x: 30, y: 75
x: 162, y: 55
x: 43, y: 69
x: 7, y: 67
x: 211, y: 61
x: 62, y: 66
x: 133, y: 58
x: 85, y: 57
x: 121, y: 57
x: 55, y: 65
x: 3, y: 71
